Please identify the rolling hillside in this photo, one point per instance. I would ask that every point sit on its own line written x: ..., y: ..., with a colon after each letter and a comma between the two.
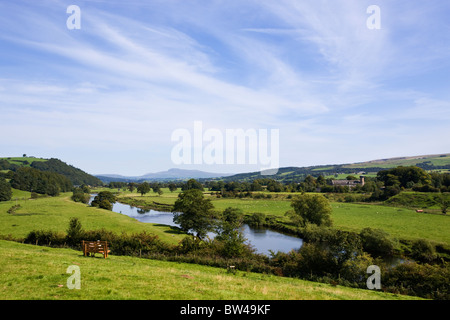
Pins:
x: 75, y: 175
x: 297, y: 174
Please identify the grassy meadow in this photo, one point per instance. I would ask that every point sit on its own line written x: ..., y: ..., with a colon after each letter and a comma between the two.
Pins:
x: 54, y: 213
x: 437, y: 160
x: 34, y: 272
x: 400, y: 222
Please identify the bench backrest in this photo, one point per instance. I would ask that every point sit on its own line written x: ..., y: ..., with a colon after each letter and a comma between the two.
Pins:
x: 95, y: 246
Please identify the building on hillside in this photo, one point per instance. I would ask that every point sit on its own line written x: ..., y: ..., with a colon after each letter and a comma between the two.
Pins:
x: 349, y: 183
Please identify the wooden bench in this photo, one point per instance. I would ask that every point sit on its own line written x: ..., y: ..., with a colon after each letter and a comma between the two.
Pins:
x: 93, y: 247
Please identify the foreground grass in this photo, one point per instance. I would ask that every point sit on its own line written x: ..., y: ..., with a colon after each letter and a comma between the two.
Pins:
x: 33, y: 272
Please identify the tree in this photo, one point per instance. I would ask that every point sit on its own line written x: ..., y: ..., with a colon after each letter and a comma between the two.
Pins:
x: 172, y: 187
x: 377, y: 242
x: 192, y: 184
x: 444, y: 203
x: 256, y: 186
x: 422, y: 250
x: 321, y: 181
x: 5, y: 190
x: 194, y: 213
x: 156, y: 188
x: 311, y: 208
x: 143, y: 188
x: 74, y: 231
x: 228, y: 231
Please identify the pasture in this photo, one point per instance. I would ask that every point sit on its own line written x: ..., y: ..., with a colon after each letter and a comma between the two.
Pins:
x: 54, y: 213
x: 400, y: 222
x: 34, y: 272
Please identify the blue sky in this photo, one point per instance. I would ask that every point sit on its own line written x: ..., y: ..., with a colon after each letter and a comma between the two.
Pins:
x: 107, y: 97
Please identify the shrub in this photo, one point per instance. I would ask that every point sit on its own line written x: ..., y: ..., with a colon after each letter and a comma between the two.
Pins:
x: 422, y: 250
x: 13, y: 209
x: 255, y: 220
x: 45, y: 237
x: 315, y: 260
x: 79, y: 196
x: 427, y: 281
x: 377, y: 242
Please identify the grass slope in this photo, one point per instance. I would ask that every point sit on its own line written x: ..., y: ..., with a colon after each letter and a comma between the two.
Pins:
x: 436, y: 160
x: 54, y: 213
x: 33, y: 272
x: 20, y: 160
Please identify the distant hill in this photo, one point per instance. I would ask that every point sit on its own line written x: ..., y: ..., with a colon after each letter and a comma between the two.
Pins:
x: 294, y: 174
x: 298, y: 174
x: 171, y: 174
x: 75, y: 175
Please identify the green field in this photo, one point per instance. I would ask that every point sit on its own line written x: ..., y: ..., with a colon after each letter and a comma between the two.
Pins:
x: 134, y: 278
x: 54, y: 213
x: 34, y: 272
x: 400, y: 222
x: 20, y: 160
x: 436, y: 160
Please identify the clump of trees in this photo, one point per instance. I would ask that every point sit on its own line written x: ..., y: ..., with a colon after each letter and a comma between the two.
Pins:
x: 76, y: 176
x: 81, y: 194
x: 33, y: 180
x: 104, y: 200
x: 192, y: 184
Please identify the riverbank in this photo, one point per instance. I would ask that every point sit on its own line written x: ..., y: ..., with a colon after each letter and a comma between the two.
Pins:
x: 145, y: 204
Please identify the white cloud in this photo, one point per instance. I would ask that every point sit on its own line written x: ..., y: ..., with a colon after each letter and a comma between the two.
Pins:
x: 312, y: 69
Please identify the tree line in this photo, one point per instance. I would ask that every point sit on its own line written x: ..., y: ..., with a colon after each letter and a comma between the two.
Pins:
x: 33, y: 180
x: 386, y: 184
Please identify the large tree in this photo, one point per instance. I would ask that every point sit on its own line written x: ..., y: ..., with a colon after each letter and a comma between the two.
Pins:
x: 143, y: 188
x: 311, y: 208
x: 229, y: 232
x: 192, y: 212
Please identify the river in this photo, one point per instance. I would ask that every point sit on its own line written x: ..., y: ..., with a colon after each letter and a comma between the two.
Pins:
x: 262, y: 240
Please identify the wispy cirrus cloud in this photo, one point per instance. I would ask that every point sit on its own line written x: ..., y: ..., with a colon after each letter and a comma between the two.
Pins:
x: 309, y: 68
